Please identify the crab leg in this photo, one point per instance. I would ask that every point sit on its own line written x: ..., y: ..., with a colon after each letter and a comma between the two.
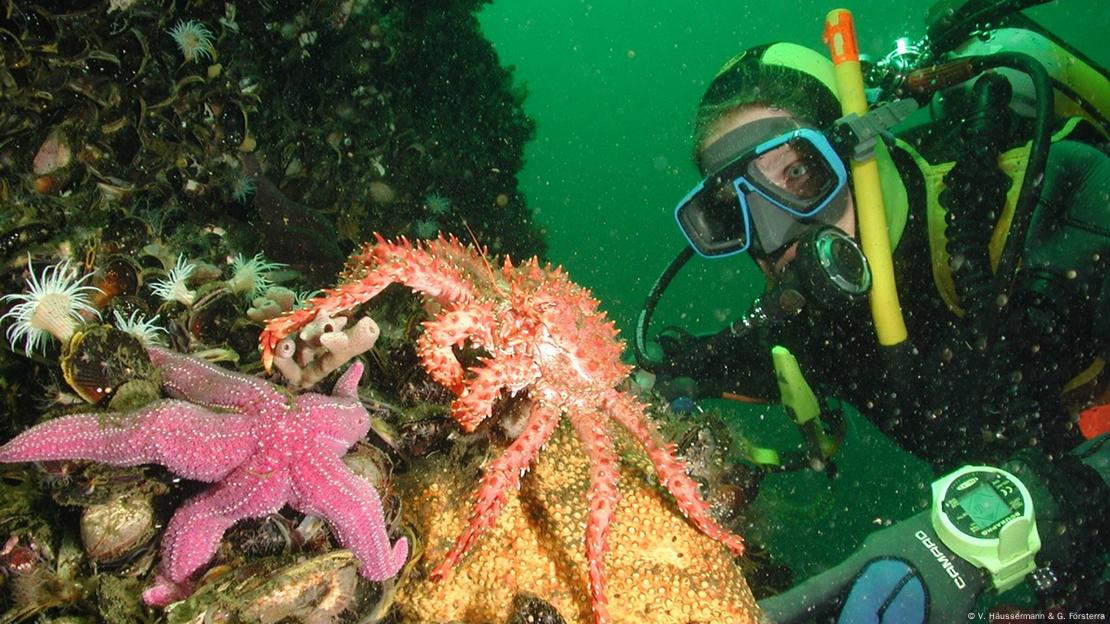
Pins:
x: 502, y: 476
x: 603, y: 497
x: 672, y: 473
x: 451, y: 328
x: 475, y: 402
x: 396, y: 264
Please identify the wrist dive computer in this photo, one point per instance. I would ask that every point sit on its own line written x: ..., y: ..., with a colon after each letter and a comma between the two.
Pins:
x: 985, y: 515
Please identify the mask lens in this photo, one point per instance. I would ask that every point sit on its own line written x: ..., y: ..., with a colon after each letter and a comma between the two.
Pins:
x: 713, y: 220
x: 795, y: 174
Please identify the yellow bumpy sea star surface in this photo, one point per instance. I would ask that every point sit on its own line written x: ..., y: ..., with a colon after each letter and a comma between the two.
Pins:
x: 661, y: 569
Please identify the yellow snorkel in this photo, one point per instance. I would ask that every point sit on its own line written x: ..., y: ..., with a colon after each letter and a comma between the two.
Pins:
x: 840, y: 36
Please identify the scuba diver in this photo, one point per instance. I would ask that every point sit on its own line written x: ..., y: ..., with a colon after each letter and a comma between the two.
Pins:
x: 999, y: 246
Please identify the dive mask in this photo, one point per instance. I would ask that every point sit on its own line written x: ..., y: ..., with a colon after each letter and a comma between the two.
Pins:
x: 768, y: 182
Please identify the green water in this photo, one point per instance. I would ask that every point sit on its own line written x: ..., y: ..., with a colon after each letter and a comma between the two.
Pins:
x: 612, y: 87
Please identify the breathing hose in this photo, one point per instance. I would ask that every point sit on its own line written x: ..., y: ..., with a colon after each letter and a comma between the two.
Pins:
x: 1033, y: 180
x: 639, y: 345
x: 974, y: 193
x: 974, y: 198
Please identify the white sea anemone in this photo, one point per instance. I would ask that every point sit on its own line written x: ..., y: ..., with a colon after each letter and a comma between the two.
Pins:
x: 425, y: 229
x: 242, y: 188
x: 52, y: 306
x: 173, y: 288
x: 302, y: 297
x: 140, y: 327
x: 194, y: 40
x: 251, y: 277
x: 437, y: 204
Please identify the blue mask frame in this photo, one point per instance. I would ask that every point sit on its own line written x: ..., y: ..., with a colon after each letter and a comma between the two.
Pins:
x: 717, y: 231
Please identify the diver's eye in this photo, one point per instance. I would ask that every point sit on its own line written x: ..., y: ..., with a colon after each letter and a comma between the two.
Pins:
x: 797, y: 171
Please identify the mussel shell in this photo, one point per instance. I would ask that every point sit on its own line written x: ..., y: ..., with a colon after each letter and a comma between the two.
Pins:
x: 126, y: 305
x: 119, y: 276
x: 121, y: 134
x: 84, y: 484
x: 212, y: 322
x: 125, y: 143
x: 18, y: 239
x: 420, y: 388
x: 243, y: 339
x: 134, y: 394
x: 129, y: 54
x: 232, y: 121
x: 261, y: 537
x: 100, y: 358
x: 319, y: 588
x: 151, y: 262
x: 421, y: 437
x: 114, y: 530
x: 127, y: 235
x: 370, y: 463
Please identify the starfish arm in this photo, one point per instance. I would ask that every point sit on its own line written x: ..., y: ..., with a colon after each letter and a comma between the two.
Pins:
x: 164, y: 591
x: 501, y: 475
x: 188, y: 439
x: 197, y: 381
x: 451, y: 328
x: 672, y: 472
x: 324, y: 486
x: 195, y: 530
x: 475, y: 403
x: 603, y: 496
x: 347, y: 386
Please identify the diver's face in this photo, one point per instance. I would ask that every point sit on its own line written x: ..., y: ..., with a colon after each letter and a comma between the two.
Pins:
x: 746, y: 115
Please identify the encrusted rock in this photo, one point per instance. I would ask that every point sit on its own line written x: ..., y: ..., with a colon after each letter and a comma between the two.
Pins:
x: 661, y: 570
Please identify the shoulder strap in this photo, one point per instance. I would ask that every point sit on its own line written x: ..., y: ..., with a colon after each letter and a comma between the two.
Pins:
x: 1013, y: 163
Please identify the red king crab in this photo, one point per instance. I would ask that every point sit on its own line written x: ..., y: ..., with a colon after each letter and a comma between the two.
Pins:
x: 544, y: 336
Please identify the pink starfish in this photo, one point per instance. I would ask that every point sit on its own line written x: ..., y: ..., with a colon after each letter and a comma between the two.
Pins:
x: 267, y: 450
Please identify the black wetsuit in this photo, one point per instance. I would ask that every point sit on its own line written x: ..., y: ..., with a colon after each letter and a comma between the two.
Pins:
x: 950, y: 404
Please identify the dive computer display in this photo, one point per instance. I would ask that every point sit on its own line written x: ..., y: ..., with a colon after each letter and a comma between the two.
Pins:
x: 985, y: 515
